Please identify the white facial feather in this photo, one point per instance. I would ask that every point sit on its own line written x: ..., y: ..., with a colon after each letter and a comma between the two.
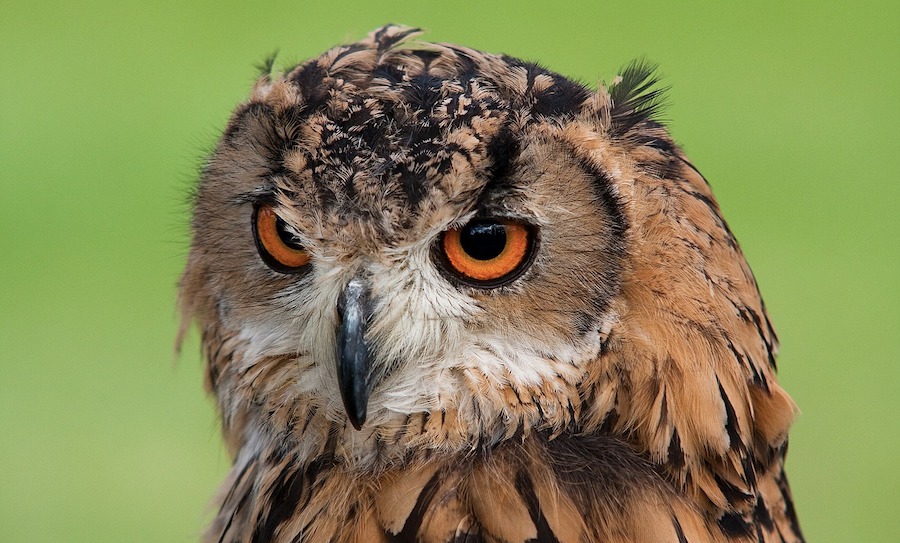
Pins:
x: 424, y: 329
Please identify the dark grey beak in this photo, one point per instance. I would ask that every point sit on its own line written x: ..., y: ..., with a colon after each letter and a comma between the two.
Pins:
x: 354, y: 356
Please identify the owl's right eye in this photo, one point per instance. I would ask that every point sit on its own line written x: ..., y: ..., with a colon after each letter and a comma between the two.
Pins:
x: 277, y: 246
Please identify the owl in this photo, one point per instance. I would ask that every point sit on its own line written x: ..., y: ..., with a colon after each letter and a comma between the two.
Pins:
x: 452, y: 296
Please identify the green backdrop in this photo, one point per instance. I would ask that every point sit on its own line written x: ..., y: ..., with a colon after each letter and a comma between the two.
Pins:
x: 107, y: 108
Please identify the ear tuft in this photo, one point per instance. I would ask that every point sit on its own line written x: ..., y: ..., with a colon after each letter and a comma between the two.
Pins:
x: 636, y: 99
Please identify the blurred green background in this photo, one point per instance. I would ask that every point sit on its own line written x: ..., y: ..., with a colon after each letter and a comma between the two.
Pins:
x: 107, y: 108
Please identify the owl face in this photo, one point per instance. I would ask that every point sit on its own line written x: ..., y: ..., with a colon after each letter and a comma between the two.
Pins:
x: 399, y: 247
x: 482, y: 249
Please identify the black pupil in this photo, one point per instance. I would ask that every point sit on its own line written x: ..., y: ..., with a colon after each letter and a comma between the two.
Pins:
x: 483, y: 240
x: 286, y: 236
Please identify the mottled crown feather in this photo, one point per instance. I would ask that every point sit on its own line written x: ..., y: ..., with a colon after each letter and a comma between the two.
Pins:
x: 405, y: 110
x: 390, y: 60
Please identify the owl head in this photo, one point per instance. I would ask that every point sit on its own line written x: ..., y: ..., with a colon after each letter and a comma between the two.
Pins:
x: 426, y: 246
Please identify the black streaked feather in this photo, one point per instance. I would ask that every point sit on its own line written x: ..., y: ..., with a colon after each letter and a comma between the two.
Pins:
x: 285, y: 497
x: 264, y: 67
x: 384, y: 40
x: 635, y: 100
x: 735, y: 525
x: 526, y: 489
x: 679, y: 531
x: 410, y: 530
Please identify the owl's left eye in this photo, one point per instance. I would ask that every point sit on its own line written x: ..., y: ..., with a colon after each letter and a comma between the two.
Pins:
x: 277, y: 246
x: 487, y: 253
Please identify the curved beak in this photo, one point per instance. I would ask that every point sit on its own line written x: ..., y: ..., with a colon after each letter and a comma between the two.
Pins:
x: 354, y: 369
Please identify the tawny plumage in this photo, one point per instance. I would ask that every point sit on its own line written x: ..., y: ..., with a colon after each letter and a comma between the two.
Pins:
x: 446, y: 295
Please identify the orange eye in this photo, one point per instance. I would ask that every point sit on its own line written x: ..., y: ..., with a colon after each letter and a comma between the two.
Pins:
x: 276, y: 244
x: 488, y: 252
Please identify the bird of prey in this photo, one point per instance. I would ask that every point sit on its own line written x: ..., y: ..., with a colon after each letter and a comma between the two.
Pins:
x: 447, y: 296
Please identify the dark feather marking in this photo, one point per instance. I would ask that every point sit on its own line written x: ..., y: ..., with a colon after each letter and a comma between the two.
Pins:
x: 661, y: 168
x: 310, y: 414
x: 288, y: 123
x: 241, y: 123
x: 751, y: 316
x: 285, y: 496
x: 379, y: 37
x: 660, y: 141
x: 389, y: 72
x: 292, y: 492
x: 617, y: 225
x: 765, y: 313
x: 384, y: 42
x: 759, y: 534
x: 679, y: 531
x: 213, y: 375
x: 609, y: 463
x: 676, y: 453
x: 758, y: 379
x: 373, y: 130
x: 733, y: 494
x: 634, y: 101
x: 410, y: 531
x: 604, y: 345
x: 214, y: 361
x: 525, y: 487
x: 780, y: 535
x: 502, y: 150
x: 422, y: 92
x: 583, y: 323
x: 714, y: 210
x: 264, y: 68
x: 663, y: 410
x: 413, y: 185
x: 735, y: 525
x: 532, y: 70
x: 571, y: 410
x: 467, y: 70
x: 240, y: 504
x: 789, y: 512
x: 762, y: 515
x: 563, y: 98
x: 427, y: 56
x: 348, y: 50
x: 610, y: 419
x: 608, y: 201
x: 731, y: 422
x: 749, y: 468
x: 237, y: 509
x: 690, y: 165
x: 310, y: 79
